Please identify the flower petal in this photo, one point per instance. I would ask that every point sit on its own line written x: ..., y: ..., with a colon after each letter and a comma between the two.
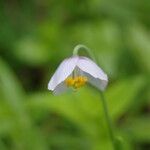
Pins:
x: 61, y: 88
x: 94, y: 72
x: 63, y: 71
x: 96, y: 82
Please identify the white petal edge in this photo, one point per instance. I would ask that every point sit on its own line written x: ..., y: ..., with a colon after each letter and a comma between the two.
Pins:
x: 90, y: 67
x: 63, y: 71
x: 61, y: 88
x: 96, y: 82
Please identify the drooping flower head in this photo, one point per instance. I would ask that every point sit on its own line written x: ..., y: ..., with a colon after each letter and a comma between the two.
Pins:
x: 75, y: 72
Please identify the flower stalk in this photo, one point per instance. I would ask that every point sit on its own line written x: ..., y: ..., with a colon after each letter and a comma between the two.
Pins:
x: 74, y: 72
x: 108, y: 120
x: 104, y: 104
x: 83, y: 47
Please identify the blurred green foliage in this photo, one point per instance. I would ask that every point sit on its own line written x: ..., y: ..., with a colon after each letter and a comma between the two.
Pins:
x: 35, y: 36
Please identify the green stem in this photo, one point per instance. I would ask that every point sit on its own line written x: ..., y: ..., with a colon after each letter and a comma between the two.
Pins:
x: 108, y: 120
x: 83, y: 47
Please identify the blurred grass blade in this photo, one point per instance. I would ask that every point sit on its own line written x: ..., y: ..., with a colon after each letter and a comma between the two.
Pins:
x: 17, y: 125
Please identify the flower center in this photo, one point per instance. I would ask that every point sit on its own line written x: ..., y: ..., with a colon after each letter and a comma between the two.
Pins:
x: 76, y: 82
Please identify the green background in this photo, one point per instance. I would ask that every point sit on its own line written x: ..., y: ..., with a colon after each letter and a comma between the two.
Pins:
x: 35, y: 36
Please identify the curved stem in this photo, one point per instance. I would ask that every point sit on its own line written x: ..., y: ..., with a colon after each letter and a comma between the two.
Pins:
x: 106, y: 112
x: 83, y: 47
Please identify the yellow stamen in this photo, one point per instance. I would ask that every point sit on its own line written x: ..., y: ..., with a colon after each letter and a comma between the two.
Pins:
x: 69, y: 81
x: 76, y: 82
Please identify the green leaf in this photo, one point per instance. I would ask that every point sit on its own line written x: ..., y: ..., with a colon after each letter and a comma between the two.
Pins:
x: 11, y: 89
x: 120, y: 96
x: 15, y: 121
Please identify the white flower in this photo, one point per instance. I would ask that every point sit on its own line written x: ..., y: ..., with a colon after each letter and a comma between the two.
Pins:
x: 76, y: 71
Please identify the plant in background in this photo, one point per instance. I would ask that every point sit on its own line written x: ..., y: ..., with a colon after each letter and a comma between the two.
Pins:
x: 75, y: 72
